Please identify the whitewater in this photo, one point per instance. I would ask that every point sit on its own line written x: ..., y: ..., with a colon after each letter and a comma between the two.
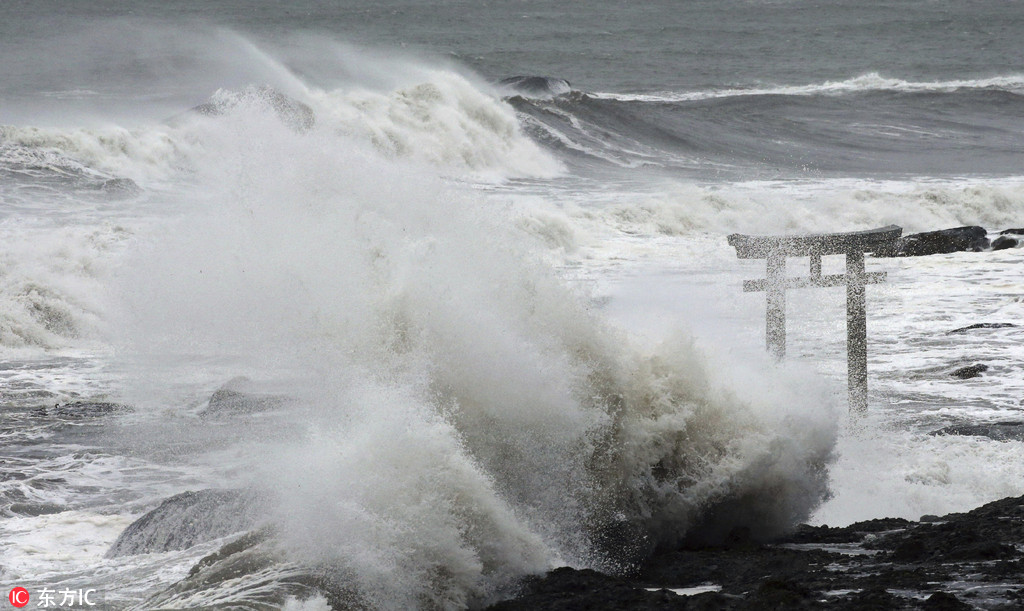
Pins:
x: 471, y: 333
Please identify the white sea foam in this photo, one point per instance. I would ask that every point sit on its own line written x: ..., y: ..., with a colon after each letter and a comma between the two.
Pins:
x: 884, y: 472
x: 871, y: 81
x: 688, y: 211
x: 38, y: 548
x: 52, y: 279
x: 142, y: 154
x: 316, y: 603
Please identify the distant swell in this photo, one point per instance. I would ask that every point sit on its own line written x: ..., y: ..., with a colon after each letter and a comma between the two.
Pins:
x: 866, y: 82
x: 864, y: 126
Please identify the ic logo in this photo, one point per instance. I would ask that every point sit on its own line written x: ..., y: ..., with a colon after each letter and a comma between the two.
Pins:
x: 18, y: 597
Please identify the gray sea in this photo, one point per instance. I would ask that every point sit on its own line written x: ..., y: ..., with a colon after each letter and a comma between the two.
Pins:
x: 444, y: 287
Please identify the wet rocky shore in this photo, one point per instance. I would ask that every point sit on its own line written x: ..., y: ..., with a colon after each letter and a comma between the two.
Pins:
x: 972, y: 560
x: 961, y: 561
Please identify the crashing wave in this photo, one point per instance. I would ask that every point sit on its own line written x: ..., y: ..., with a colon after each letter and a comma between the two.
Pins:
x: 470, y: 419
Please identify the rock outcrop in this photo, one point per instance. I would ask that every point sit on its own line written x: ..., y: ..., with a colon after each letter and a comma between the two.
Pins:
x: 188, y: 519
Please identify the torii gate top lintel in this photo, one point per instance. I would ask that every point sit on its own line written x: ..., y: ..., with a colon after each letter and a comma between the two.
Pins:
x: 759, y: 247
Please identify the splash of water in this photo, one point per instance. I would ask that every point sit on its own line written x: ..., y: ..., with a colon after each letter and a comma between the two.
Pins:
x: 470, y: 417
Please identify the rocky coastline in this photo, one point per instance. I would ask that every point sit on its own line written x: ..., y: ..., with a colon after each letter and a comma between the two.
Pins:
x: 972, y: 560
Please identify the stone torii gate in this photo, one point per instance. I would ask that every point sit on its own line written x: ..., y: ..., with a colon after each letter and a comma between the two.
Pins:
x: 854, y: 244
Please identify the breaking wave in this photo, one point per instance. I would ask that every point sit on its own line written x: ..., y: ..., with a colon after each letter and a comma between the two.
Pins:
x: 442, y: 119
x: 814, y: 206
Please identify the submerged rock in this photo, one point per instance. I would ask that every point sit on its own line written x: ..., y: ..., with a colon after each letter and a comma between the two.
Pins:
x: 238, y: 397
x: 34, y: 509
x: 983, y: 325
x: 1000, y: 431
x: 188, y: 519
x: 1004, y: 242
x: 971, y: 371
x: 121, y: 187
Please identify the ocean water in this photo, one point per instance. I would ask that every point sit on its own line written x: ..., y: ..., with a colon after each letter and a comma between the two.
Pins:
x: 499, y: 324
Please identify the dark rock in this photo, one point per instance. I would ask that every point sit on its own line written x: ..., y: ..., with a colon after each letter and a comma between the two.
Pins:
x: 941, y: 601
x: 999, y: 431
x: 874, y: 599
x: 913, y: 550
x: 188, y: 519
x: 1012, y: 231
x: 982, y: 551
x: 984, y: 534
x: 238, y: 397
x: 782, y: 594
x: 847, y: 534
x: 957, y: 239
x: 888, y: 565
x: 260, y: 577
x: 983, y: 325
x: 571, y: 589
x: 971, y: 371
x: 1004, y: 242
x: 537, y: 86
x: 744, y: 569
x: 242, y: 544
x: 120, y: 186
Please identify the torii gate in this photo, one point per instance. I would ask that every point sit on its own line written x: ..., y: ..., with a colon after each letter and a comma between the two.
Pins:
x: 854, y: 244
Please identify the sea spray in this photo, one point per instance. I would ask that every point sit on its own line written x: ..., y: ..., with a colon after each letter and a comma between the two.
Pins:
x: 469, y: 418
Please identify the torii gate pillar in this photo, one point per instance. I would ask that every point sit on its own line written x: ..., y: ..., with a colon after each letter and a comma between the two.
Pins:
x: 854, y: 244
